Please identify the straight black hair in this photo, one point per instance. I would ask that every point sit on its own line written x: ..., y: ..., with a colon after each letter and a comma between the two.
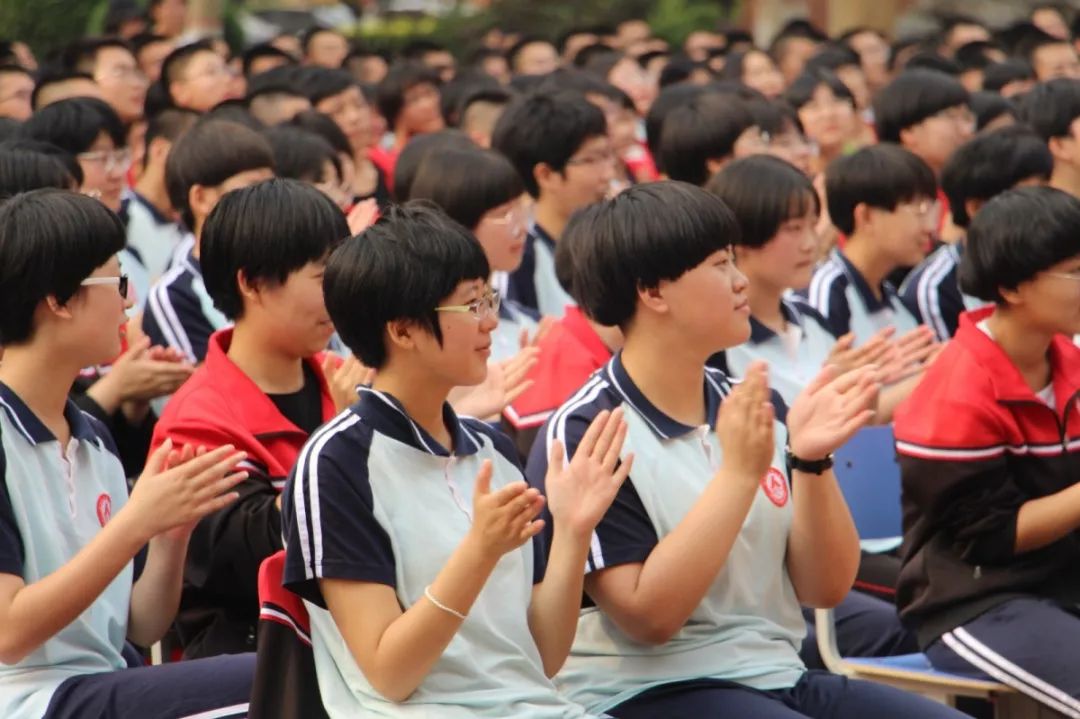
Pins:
x: 74, y: 124
x: 704, y: 129
x: 1017, y: 235
x: 645, y: 235
x: 416, y: 151
x: 208, y: 154
x: 66, y: 160
x: 547, y: 128
x: 267, y: 231
x: 400, y: 78
x: 1000, y: 74
x: 803, y: 88
x: 912, y: 97
x: 50, y: 241
x: 399, y: 269
x: 989, y: 106
x: 881, y: 176
x: 261, y: 50
x: 324, y: 126
x: 23, y: 169
x: 992, y: 163
x: 466, y: 183
x: 1051, y: 107
x: 669, y: 98
x: 301, y: 154
x: 763, y: 192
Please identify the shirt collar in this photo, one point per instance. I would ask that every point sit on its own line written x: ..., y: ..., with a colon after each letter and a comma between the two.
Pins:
x: 386, y: 415
x: 661, y: 424
x: 872, y: 303
x: 541, y: 234
x: 759, y: 333
x: 192, y: 262
x: 33, y: 429
x: 155, y: 213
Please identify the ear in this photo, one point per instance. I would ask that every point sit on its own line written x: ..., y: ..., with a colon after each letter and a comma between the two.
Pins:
x: 159, y: 150
x: 248, y: 290
x: 863, y: 215
x: 201, y: 200
x: 909, y: 138
x: 56, y: 308
x: 545, y: 176
x: 653, y: 298
x: 971, y: 206
x: 715, y: 164
x: 1011, y: 296
x: 1059, y: 149
x: 177, y: 93
x: 401, y: 334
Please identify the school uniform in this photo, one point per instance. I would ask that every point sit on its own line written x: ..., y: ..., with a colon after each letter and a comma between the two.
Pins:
x: 932, y: 291
x: 975, y: 443
x: 152, y: 235
x: 375, y: 498
x: 180, y: 313
x: 53, y: 502
x: 842, y: 296
x: 220, y: 405
x: 513, y: 319
x: 745, y: 633
x: 534, y: 284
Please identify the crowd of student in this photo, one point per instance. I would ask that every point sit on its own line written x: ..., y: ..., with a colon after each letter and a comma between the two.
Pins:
x: 252, y: 304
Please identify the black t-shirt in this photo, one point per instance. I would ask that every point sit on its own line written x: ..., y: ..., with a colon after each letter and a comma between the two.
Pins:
x: 303, y: 407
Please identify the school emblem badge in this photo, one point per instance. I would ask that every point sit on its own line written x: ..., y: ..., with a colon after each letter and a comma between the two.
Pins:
x: 775, y: 486
x: 104, y: 508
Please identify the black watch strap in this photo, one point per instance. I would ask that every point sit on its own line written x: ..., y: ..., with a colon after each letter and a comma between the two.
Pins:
x: 812, y: 466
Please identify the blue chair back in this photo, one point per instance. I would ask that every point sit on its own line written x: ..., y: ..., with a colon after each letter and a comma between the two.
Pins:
x: 869, y: 477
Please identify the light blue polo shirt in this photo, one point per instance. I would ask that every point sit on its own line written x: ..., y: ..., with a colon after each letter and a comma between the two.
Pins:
x: 794, y: 359
x: 534, y: 283
x: 842, y: 296
x: 375, y: 498
x: 53, y: 503
x: 748, y: 628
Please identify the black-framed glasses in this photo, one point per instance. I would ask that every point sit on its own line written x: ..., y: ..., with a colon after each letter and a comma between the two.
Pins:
x: 121, y: 283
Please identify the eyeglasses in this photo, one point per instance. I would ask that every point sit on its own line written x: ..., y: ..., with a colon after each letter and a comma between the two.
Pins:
x: 121, y: 283
x: 125, y: 72
x: 1075, y: 276
x: 112, y: 160
x: 513, y: 217
x: 487, y: 305
x: 923, y: 210
x: 958, y: 115
x: 600, y: 158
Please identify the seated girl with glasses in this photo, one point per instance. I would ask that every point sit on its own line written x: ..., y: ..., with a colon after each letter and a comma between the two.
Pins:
x: 989, y: 445
x: 421, y: 517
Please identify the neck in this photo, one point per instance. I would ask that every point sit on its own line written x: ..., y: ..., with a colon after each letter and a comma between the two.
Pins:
x: 421, y: 397
x: 611, y: 337
x: 873, y: 268
x: 671, y: 380
x: 765, y: 305
x: 151, y: 186
x: 401, y: 138
x: 550, y: 217
x: 272, y: 371
x: 1025, y: 344
x: 197, y: 231
x: 1066, y: 178
x: 41, y: 380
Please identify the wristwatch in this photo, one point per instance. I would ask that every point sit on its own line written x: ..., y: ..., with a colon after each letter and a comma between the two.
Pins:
x: 812, y: 466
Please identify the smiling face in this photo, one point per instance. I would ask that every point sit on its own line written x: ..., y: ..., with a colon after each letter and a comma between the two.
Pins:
x: 97, y: 316
x: 501, y: 232
x: 460, y: 360
x: 292, y: 312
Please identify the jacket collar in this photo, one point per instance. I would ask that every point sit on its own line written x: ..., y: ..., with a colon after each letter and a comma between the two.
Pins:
x: 661, y: 424
x: 252, y: 407
x: 386, y: 415
x: 759, y: 333
x: 862, y: 287
x: 33, y: 429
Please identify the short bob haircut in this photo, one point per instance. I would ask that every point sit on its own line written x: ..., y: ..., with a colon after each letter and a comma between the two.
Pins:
x: 1001, y: 74
x: 65, y: 159
x: 912, y: 97
x: 208, y: 154
x: 992, y: 163
x: 399, y: 269
x: 416, y: 151
x: 319, y: 83
x: 267, y: 231
x: 23, y: 169
x: 74, y: 124
x: 989, y: 106
x: 548, y: 128
x: 803, y: 88
x: 647, y: 234
x: 50, y: 241
x: 400, y: 78
x: 1051, y: 107
x: 666, y: 102
x: 881, y: 176
x: 1015, y: 236
x: 763, y: 192
x: 324, y: 126
x: 466, y: 183
x: 704, y: 129
x: 301, y: 154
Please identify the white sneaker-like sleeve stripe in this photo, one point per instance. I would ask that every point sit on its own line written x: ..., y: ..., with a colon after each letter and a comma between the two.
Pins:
x: 167, y: 319
x: 820, y: 287
x: 16, y: 421
x: 316, y: 507
x: 275, y: 615
x: 236, y: 710
x: 1038, y: 450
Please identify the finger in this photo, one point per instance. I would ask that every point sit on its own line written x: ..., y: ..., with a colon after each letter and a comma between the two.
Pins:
x: 844, y: 342
x: 827, y: 374
x: 138, y: 348
x: 483, y: 480
x: 208, y: 478
x: 592, y: 434
x: 328, y: 366
x: 607, y: 435
x: 514, y: 392
x: 204, y: 459
x: 556, y: 457
x: 853, y: 425
x: 531, y: 529
x: 229, y: 481
x: 526, y: 511
x: 523, y: 338
x: 845, y: 382
x: 506, y: 495
x: 615, y: 447
x: 623, y: 470
x: 158, y: 461
x: 218, y: 503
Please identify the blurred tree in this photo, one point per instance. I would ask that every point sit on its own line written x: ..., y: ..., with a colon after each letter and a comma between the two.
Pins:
x: 47, y: 25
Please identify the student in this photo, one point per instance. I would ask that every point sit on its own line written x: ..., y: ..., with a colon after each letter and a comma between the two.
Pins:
x: 194, y: 77
x: 305, y: 156
x: 150, y: 52
x: 56, y: 86
x: 261, y: 389
x: 263, y: 57
x: 152, y: 227
x: 987, y: 447
x: 16, y: 91
x: 755, y: 69
x: 1052, y: 109
x: 481, y: 190
x: 882, y: 198
x: 461, y: 615
x: 827, y: 113
x: 69, y: 599
x: 324, y: 47
x: 669, y: 629
x: 274, y: 104
x: 702, y: 136
x: 981, y: 169
x: 114, y: 68
x: 927, y: 113
x: 558, y: 144
x: 213, y: 158
x: 1051, y: 57
x: 480, y: 112
x: 408, y: 97
x: 532, y: 56
x: 167, y: 17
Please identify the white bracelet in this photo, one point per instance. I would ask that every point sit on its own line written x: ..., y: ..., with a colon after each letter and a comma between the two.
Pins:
x: 431, y: 598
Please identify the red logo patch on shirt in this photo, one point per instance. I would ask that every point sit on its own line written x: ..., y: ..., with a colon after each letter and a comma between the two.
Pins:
x: 775, y: 486
x: 104, y: 508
